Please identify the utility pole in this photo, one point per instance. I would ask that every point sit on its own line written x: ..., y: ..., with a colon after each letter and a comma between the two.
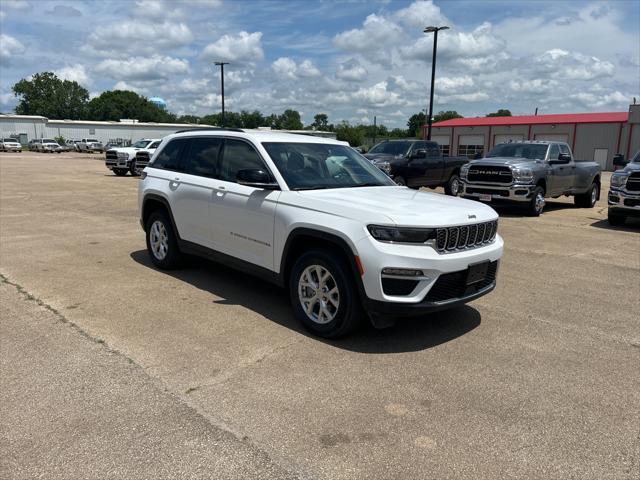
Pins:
x: 375, y: 129
x: 222, y: 64
x: 435, y: 31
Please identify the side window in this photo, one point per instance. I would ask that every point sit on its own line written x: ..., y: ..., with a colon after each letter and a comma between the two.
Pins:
x: 155, y: 144
x: 238, y: 155
x: 554, y: 151
x: 564, y: 149
x: 169, y: 158
x: 203, y: 155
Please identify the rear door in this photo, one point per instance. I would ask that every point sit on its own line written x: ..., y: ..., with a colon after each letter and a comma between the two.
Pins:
x: 242, y: 216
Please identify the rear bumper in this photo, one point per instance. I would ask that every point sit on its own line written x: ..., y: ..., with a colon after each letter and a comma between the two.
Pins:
x: 623, y: 202
x: 512, y: 193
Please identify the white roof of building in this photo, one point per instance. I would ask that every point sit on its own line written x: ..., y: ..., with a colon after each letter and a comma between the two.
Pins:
x: 110, y: 123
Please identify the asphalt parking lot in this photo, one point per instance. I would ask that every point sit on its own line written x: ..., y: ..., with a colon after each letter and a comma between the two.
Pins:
x: 112, y: 369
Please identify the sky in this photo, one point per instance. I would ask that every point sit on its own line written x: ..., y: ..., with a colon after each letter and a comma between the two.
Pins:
x: 352, y: 60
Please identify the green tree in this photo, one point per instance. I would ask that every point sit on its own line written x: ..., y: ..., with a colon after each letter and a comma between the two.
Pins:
x: 502, y: 112
x: 188, y: 119
x: 441, y: 116
x: 290, y: 120
x: 253, y: 119
x: 320, y: 121
x: 45, y: 94
x: 116, y: 104
x: 415, y: 123
x: 352, y: 134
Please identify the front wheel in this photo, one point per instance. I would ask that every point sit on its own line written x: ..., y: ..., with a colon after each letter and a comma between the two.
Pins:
x: 121, y: 172
x: 323, y: 295
x: 616, y: 220
x: 589, y: 198
x: 537, y: 202
x: 162, y: 243
x: 452, y: 187
x: 133, y: 169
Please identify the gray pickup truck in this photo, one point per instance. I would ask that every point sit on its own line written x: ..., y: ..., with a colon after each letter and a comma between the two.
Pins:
x: 528, y: 172
x: 624, y: 194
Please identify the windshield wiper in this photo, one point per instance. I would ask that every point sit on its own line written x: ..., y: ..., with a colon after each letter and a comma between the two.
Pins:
x: 366, y: 184
x: 316, y: 187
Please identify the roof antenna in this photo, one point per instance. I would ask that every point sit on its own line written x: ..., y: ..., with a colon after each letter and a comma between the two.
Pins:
x: 536, y: 114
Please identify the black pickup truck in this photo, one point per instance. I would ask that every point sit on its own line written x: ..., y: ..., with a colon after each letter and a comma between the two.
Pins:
x: 418, y: 163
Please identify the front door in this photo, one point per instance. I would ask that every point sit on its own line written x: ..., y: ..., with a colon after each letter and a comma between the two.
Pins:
x: 558, y: 173
x: 243, y: 217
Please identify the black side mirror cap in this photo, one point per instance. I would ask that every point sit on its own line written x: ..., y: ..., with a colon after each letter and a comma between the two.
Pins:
x: 420, y: 153
x: 257, y: 178
x: 618, y: 160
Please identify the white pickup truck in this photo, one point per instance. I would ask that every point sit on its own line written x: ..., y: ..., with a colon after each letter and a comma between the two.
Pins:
x: 122, y: 159
x: 90, y: 145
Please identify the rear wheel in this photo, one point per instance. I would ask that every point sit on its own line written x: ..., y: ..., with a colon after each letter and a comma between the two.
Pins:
x: 121, y: 172
x: 589, y: 198
x: 162, y: 243
x: 323, y: 295
x: 452, y: 187
x: 537, y: 202
x: 615, y: 219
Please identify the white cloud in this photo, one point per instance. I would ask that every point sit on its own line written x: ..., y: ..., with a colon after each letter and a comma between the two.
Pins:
x: 454, y: 84
x: 351, y: 70
x: 421, y: 14
x: 74, y: 73
x: 244, y: 47
x: 536, y: 85
x: 143, y: 68
x: 121, y: 85
x: 378, y: 95
x: 10, y: 47
x: 16, y: 4
x: 118, y: 39
x: 612, y: 100
x: 376, y: 31
x: 286, y: 68
x: 562, y: 64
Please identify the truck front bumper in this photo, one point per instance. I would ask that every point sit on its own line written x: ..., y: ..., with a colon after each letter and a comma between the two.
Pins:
x: 487, y: 192
x: 624, y: 202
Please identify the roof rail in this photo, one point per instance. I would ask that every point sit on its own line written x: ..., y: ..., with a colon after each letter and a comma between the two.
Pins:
x: 210, y: 128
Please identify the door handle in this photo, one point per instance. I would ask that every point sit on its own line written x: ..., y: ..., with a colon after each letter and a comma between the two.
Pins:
x: 173, y: 184
x: 220, y: 191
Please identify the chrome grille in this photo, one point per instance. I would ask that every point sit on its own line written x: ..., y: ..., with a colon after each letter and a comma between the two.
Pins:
x: 489, y: 174
x: 452, y: 239
x: 633, y: 183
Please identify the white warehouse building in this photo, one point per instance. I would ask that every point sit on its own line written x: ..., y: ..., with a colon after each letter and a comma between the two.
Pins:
x: 29, y: 127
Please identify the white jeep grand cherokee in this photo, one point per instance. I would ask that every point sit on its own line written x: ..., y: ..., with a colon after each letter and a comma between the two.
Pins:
x: 316, y: 217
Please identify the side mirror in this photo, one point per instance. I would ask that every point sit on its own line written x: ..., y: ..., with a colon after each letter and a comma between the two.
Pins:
x: 257, y: 178
x: 477, y: 156
x: 420, y: 153
x: 562, y: 159
x: 618, y: 160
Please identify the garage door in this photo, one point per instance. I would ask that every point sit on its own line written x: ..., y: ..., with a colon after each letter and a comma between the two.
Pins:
x: 507, y: 138
x: 443, y: 143
x: 553, y: 137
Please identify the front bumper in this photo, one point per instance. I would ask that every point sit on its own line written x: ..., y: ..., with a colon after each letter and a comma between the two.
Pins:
x: 488, y: 192
x: 443, y: 282
x: 624, y: 202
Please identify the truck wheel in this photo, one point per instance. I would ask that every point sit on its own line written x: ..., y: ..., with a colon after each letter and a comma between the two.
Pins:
x: 537, y: 202
x: 452, y: 187
x: 121, y: 172
x: 133, y: 170
x: 323, y: 295
x: 616, y: 220
x: 589, y: 198
x: 162, y: 244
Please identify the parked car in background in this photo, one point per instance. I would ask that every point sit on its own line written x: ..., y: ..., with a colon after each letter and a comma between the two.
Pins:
x: 34, y: 144
x: 418, y: 163
x: 120, y: 160
x: 143, y: 157
x: 63, y: 148
x: 10, y: 145
x: 624, y: 193
x: 90, y: 145
x: 72, y: 144
x: 48, y: 145
x: 527, y: 172
x: 314, y: 216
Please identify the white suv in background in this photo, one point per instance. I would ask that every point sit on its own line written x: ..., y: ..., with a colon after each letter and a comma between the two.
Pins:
x: 10, y: 145
x: 316, y: 217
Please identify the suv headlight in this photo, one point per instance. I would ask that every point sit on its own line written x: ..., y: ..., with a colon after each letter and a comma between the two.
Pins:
x: 523, y: 174
x: 402, y: 234
x: 618, y: 181
x: 464, y: 171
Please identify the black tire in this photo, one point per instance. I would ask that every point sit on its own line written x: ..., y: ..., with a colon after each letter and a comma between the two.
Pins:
x: 589, y: 198
x: 535, y: 206
x: 121, y: 172
x: 452, y: 187
x: 348, y: 315
x: 132, y: 169
x: 172, y: 257
x: 615, y: 219
x: 400, y: 180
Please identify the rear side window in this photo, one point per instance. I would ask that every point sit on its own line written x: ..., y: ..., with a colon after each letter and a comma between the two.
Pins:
x: 554, y: 152
x: 169, y: 157
x: 203, y: 156
x: 564, y: 149
x: 237, y: 156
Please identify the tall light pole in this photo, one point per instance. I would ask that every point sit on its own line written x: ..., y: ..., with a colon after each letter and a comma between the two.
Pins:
x: 435, y: 31
x: 222, y: 64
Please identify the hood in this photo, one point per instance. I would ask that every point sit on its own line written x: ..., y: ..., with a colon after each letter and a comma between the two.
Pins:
x: 630, y: 167
x: 128, y: 150
x: 396, y: 205
x: 509, y: 161
x: 383, y: 157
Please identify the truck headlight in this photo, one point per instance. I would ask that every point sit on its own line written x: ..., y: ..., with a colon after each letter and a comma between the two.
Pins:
x: 464, y: 171
x: 385, y: 167
x: 123, y: 155
x: 618, y: 181
x: 402, y: 234
x: 523, y: 175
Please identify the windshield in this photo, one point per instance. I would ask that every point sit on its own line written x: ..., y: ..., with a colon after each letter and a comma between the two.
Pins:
x: 526, y: 151
x: 154, y: 145
x: 92, y: 140
x: 391, y: 148
x: 48, y: 140
x: 140, y: 144
x: 9, y: 140
x: 310, y: 166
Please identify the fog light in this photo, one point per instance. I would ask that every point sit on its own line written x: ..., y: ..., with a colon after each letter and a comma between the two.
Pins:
x: 402, y: 272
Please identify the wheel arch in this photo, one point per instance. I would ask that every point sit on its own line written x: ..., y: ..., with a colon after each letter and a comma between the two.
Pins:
x: 153, y: 202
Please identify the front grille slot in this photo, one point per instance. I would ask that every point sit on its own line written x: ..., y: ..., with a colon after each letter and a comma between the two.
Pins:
x: 452, y: 239
x: 111, y: 155
x: 633, y: 183
x: 451, y: 286
x: 489, y: 174
x: 142, y: 159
